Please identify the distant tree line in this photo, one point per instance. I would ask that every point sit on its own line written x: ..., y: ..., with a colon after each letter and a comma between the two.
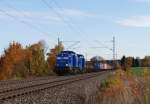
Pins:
x: 31, y: 61
x: 23, y: 62
x: 127, y: 62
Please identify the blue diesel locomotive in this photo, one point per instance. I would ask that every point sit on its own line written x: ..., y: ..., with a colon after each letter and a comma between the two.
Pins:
x: 70, y: 62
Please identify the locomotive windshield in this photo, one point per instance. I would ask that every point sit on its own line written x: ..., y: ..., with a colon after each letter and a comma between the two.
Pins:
x: 62, y: 55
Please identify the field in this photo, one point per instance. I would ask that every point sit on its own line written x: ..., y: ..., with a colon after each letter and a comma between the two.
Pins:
x: 140, y: 71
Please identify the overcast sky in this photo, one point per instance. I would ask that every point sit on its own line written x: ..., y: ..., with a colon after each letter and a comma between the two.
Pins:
x: 92, y: 22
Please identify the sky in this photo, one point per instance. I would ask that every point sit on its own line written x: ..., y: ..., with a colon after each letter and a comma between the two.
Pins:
x: 89, y: 23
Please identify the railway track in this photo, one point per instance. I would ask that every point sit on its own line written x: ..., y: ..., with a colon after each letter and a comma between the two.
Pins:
x: 28, y: 87
x: 11, y: 84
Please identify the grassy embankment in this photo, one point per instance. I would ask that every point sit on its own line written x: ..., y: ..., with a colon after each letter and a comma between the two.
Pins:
x: 131, y: 87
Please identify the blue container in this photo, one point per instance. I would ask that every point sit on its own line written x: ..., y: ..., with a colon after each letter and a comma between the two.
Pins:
x: 97, y: 66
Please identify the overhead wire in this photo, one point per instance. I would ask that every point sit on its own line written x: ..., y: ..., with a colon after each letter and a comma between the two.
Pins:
x: 58, y: 14
x: 69, y: 18
x: 31, y: 25
x: 103, y: 45
x: 77, y: 29
x: 68, y: 23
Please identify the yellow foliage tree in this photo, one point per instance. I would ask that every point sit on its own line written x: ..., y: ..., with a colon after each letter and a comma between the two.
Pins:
x: 52, y: 55
x: 38, y: 65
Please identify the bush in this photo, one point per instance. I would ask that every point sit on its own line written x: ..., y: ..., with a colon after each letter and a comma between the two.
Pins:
x: 122, y: 88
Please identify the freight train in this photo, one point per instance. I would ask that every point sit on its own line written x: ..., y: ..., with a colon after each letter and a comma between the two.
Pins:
x: 71, y: 62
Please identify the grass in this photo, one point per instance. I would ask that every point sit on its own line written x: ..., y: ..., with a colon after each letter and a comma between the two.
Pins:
x: 125, y: 88
x: 140, y: 71
x: 112, y: 82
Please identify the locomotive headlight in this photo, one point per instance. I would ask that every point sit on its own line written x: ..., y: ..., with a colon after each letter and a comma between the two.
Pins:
x: 66, y: 58
x: 58, y: 58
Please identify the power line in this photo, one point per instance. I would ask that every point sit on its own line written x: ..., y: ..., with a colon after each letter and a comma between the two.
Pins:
x: 68, y: 23
x: 20, y: 20
x: 104, y: 46
x: 23, y: 21
x: 70, y: 19
x: 58, y: 14
x: 74, y: 44
x: 78, y: 29
x: 113, y: 49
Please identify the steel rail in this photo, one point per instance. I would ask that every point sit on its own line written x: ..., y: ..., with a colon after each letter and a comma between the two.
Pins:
x: 27, y: 89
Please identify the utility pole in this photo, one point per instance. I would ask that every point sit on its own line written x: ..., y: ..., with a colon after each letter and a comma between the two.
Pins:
x: 59, y: 42
x: 114, y: 51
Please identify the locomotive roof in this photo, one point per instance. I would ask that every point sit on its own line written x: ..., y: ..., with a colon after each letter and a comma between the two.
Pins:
x: 68, y: 52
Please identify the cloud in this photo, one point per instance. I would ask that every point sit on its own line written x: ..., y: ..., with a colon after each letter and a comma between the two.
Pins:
x: 136, y: 21
x: 77, y: 13
x: 46, y: 17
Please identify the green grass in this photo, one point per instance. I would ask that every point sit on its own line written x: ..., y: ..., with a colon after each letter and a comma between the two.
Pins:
x: 139, y: 71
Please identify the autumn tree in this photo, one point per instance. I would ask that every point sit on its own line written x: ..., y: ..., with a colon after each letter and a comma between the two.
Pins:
x: 123, y: 63
x: 137, y: 62
x: 52, y: 55
x: 37, y: 63
x: 18, y: 62
x: 146, y: 61
x: 127, y: 62
x: 10, y: 60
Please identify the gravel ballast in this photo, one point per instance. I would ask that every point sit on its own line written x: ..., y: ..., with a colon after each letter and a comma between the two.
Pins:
x: 74, y: 93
